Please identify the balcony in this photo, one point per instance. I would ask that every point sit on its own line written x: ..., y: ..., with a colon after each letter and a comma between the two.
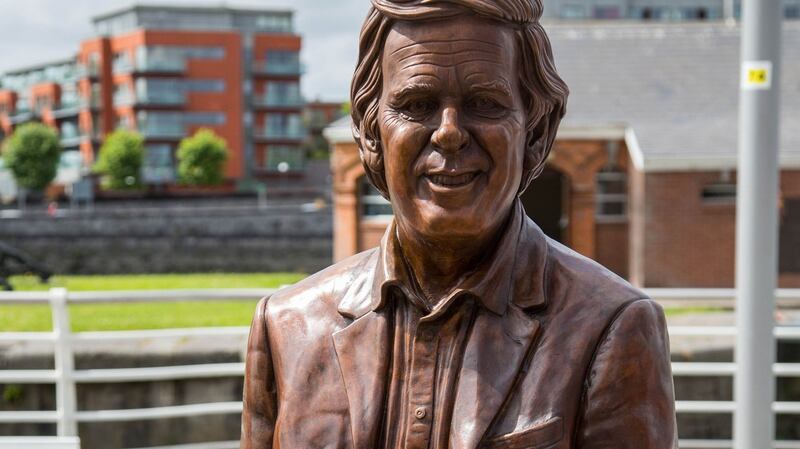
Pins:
x: 278, y: 101
x: 72, y: 140
x: 278, y: 134
x: 157, y: 65
x: 67, y: 108
x: 277, y: 68
x: 88, y: 71
x: 167, y: 98
x: 21, y: 116
x: 162, y: 130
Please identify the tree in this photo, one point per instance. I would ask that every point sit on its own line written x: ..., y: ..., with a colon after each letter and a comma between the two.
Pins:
x: 201, y: 158
x: 32, y: 153
x: 120, y: 160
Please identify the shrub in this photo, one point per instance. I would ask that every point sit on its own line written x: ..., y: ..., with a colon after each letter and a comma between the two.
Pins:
x: 120, y: 160
x: 201, y: 158
x: 32, y: 153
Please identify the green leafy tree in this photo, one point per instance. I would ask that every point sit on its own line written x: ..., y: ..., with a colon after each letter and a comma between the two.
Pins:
x: 32, y: 153
x: 120, y: 160
x: 201, y: 158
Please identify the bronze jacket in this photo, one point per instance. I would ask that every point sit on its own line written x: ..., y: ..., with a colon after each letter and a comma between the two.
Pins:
x: 578, y: 359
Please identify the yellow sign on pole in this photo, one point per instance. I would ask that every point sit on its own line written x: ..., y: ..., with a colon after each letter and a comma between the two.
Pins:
x: 757, y: 75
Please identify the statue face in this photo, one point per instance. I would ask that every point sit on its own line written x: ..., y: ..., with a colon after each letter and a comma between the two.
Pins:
x: 452, y: 125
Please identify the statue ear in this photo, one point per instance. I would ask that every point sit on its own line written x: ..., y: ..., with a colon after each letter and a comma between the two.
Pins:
x: 371, y: 154
x: 538, y: 144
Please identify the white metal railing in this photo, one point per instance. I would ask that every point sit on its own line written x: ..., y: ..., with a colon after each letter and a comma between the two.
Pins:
x: 65, y: 376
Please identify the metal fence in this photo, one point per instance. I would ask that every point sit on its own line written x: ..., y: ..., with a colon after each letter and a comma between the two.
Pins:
x: 65, y: 376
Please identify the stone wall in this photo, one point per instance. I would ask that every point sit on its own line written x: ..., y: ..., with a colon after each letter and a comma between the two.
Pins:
x: 178, y: 237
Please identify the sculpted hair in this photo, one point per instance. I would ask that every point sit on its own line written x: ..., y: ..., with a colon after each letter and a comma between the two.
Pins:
x: 544, y: 92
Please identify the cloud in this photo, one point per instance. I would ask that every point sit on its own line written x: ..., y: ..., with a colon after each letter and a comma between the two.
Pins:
x: 37, y: 31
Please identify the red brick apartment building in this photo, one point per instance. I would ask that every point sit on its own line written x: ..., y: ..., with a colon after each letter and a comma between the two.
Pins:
x: 166, y: 71
x: 643, y: 174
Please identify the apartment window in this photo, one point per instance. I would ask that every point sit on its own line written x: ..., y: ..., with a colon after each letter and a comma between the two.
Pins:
x: 158, y: 167
x: 612, y: 196
x: 123, y: 94
x: 23, y: 105
x: 720, y: 193
x: 292, y: 156
x: 573, y: 11
x: 122, y: 62
x: 372, y: 203
x: 283, y: 93
x: 282, y: 61
x: 284, y: 126
x: 69, y: 130
x: 42, y: 102
x: 607, y: 12
x: 124, y: 122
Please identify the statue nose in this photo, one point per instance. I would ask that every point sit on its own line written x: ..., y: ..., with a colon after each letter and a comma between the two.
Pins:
x: 450, y: 136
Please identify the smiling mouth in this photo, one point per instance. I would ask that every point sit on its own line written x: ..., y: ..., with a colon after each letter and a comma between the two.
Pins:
x: 452, y: 181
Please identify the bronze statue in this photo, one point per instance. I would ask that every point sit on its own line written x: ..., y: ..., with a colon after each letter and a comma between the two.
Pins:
x: 467, y: 328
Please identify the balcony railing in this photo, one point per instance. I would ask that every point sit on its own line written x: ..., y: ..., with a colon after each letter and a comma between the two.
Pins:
x: 160, y: 65
x: 173, y: 98
x: 278, y: 101
x: 155, y: 130
x: 275, y: 68
x: 72, y: 140
x: 270, y: 133
x: 20, y: 117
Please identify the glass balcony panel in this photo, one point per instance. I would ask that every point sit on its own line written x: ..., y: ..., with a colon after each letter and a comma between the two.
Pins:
x: 155, y: 129
x: 160, y: 97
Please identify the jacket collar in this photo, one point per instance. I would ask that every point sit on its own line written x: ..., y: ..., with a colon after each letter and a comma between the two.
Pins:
x: 514, y: 272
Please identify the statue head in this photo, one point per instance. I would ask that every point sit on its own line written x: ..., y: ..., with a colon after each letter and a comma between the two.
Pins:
x: 455, y: 106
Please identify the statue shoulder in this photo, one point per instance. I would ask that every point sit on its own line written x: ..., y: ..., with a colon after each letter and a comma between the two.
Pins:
x: 573, y: 277
x: 319, y: 295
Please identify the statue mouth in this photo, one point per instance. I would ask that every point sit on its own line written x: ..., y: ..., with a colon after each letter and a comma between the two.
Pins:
x: 452, y: 180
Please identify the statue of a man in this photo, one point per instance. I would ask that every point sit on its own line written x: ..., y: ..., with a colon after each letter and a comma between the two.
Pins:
x: 467, y: 328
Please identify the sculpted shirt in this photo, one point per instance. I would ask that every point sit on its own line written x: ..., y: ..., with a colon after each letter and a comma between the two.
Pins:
x: 429, y: 340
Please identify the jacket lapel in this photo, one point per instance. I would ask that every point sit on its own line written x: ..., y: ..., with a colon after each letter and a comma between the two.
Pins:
x: 363, y: 351
x: 496, y: 351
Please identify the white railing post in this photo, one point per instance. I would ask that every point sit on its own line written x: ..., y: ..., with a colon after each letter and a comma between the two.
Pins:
x: 66, y: 406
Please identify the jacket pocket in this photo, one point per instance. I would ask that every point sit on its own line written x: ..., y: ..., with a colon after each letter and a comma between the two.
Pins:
x: 539, y: 436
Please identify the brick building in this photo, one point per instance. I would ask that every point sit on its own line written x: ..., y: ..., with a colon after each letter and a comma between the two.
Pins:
x: 166, y: 71
x: 642, y: 177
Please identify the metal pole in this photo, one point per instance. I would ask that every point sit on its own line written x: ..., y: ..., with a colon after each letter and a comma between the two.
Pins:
x: 757, y: 223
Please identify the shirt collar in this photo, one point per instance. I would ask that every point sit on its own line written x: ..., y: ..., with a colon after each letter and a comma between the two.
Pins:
x: 493, y: 283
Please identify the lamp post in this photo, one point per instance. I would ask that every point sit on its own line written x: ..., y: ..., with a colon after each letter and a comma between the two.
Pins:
x: 757, y: 223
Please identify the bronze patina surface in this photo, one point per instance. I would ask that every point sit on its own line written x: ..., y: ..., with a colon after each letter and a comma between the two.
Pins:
x: 468, y: 327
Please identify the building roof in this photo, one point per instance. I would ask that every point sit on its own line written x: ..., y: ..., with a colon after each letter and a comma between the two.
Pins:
x: 670, y: 90
x: 673, y: 87
x: 200, y: 7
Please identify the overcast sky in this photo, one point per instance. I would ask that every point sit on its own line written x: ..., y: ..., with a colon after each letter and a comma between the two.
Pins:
x: 35, y: 31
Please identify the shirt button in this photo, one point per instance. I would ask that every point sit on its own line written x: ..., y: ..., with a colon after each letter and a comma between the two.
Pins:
x: 420, y: 412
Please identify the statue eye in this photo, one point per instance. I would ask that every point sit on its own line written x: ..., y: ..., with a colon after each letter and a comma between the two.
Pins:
x: 418, y: 109
x: 486, y: 106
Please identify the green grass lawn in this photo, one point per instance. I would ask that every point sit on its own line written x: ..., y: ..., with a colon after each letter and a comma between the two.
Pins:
x: 105, y: 317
